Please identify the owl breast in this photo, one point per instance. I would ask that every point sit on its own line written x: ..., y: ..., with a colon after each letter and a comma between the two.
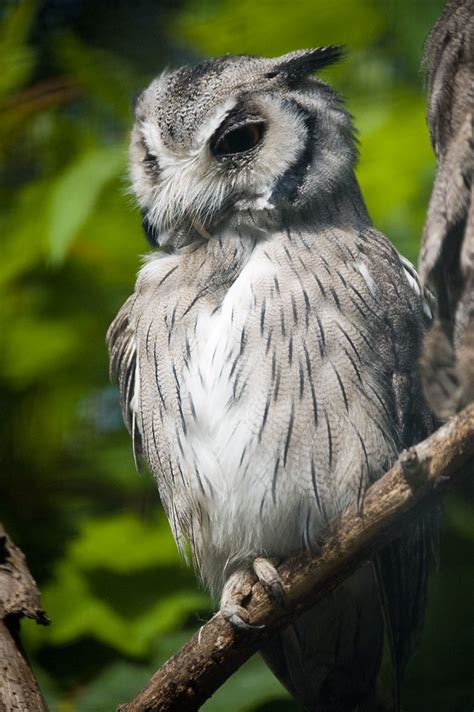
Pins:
x: 243, y: 380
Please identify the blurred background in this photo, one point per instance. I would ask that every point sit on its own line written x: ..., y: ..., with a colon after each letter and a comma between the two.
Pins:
x: 97, y: 541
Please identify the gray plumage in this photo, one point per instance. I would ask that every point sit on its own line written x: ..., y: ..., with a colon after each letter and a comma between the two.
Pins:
x: 266, y: 359
x: 447, y: 257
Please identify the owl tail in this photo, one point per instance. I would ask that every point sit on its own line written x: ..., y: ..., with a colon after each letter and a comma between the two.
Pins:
x: 329, y: 659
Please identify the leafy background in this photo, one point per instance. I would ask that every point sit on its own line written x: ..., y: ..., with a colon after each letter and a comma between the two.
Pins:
x: 96, y: 538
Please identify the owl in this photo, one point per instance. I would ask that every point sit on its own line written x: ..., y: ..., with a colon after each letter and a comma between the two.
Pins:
x: 447, y: 257
x: 267, y: 357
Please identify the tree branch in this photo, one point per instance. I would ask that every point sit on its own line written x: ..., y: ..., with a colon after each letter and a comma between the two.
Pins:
x: 416, y: 481
x: 19, y: 597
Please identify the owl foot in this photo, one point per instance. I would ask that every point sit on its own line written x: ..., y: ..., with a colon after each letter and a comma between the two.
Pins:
x: 266, y: 572
x: 237, y: 588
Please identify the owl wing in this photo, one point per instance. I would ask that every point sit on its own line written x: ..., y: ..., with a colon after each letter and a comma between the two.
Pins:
x: 402, y: 566
x: 122, y: 348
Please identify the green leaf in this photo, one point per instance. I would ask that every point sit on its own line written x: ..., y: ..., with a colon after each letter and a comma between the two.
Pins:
x: 75, y: 194
x: 116, y: 685
x: 122, y: 583
x: 34, y: 347
x: 272, y: 27
x: 123, y: 543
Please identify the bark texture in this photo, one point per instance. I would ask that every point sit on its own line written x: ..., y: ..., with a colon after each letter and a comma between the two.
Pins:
x: 19, y: 597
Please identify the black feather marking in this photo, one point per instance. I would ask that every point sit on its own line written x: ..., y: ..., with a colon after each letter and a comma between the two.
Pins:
x: 234, y: 365
x: 277, y: 285
x: 180, y: 444
x: 198, y: 296
x: 288, y: 254
x: 168, y: 274
x: 357, y: 306
x: 290, y: 350
x: 301, y: 375
x: 381, y: 402
x: 274, y: 479
x: 198, y: 475
x: 348, y: 338
x: 306, y: 244
x: 170, y: 465
x: 367, y: 342
x: 262, y: 316
x: 234, y: 387
x: 277, y: 386
x: 282, y: 322
x: 288, y: 435
x: 322, y: 340
x: 181, y: 474
x: 307, y: 306
x: 269, y: 341
x: 264, y: 419
x: 173, y: 316
x: 242, y: 341
x: 180, y: 405
x: 320, y: 284
x: 157, y: 378
x: 341, y: 386
x: 148, y: 336
x: 187, y: 352
x: 326, y: 265
x: 341, y: 278
x: 314, y: 480
x: 330, y: 453
x: 354, y: 365
x: 294, y: 308
x: 311, y: 384
x: 362, y: 480
x: 336, y: 298
x: 273, y: 366
x: 191, y: 405
x: 364, y: 301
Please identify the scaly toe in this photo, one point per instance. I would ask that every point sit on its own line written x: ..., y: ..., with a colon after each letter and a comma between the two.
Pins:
x: 237, y: 588
x: 238, y: 617
x: 267, y: 574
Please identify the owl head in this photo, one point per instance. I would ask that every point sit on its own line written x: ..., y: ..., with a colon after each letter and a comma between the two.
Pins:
x: 239, y: 142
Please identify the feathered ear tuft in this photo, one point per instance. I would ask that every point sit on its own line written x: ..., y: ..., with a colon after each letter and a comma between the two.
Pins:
x: 297, y: 65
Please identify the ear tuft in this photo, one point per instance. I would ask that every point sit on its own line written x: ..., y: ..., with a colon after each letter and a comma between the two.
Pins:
x: 297, y: 65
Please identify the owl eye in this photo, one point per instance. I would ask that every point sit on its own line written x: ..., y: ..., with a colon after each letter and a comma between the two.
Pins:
x: 238, y: 140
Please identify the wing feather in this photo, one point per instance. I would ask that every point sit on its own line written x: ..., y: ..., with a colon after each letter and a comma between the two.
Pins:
x: 122, y: 348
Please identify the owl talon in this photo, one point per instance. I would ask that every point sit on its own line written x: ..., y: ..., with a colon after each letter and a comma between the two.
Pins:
x: 237, y: 588
x: 269, y: 577
x: 238, y: 617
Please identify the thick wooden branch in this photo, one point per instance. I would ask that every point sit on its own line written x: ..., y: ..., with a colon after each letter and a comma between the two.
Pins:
x: 19, y: 597
x: 421, y: 475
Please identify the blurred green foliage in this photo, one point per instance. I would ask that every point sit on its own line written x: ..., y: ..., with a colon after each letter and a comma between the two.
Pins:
x: 119, y: 597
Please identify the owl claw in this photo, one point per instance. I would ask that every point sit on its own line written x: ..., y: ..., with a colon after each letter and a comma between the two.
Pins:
x: 238, y: 617
x: 237, y: 588
x: 270, y: 579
